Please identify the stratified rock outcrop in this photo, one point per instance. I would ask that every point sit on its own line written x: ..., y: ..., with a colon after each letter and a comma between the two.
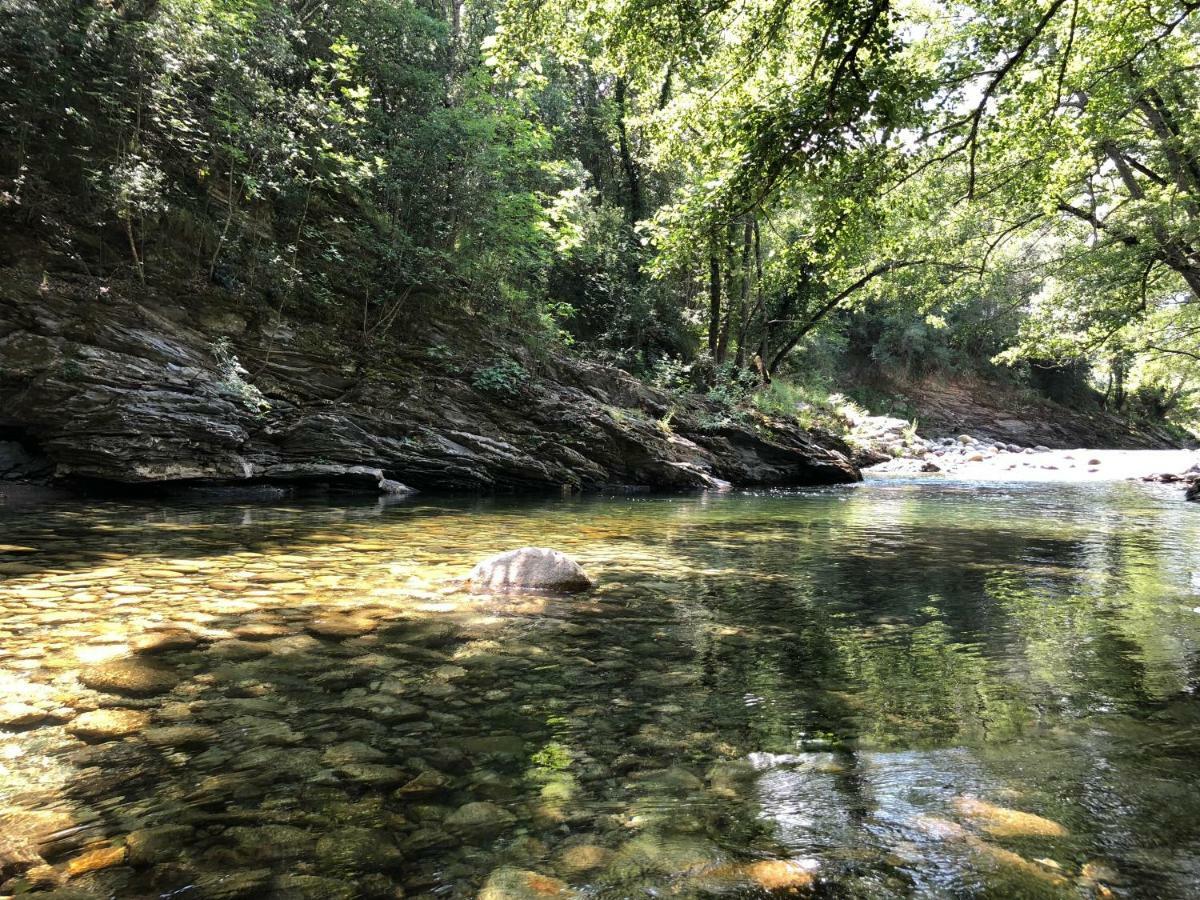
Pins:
x: 196, y: 388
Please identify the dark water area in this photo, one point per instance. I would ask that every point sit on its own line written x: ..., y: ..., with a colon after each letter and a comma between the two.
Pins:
x: 895, y: 689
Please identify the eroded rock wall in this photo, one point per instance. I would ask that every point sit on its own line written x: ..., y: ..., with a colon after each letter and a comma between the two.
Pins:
x: 187, y: 388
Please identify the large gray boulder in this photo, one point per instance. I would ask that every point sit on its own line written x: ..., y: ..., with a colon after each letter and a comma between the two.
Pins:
x: 529, y: 568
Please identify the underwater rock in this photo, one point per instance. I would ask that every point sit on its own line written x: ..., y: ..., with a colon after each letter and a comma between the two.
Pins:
x: 649, y: 854
x: 774, y: 876
x: 423, y: 785
x: 352, y: 752
x: 358, y: 849
x: 148, y: 846
x: 731, y: 778
x: 17, y: 855
x: 780, y: 874
x: 583, y: 858
x: 1001, y: 822
x: 373, y: 774
x: 340, y: 627
x: 312, y: 887
x: 180, y: 736
x: 481, y: 818
x: 508, y: 883
x: 235, y: 884
x: 675, y: 780
x: 130, y: 677
x: 95, y: 860
x: 165, y: 641
x: 20, y: 715
x: 529, y: 568
x: 269, y: 844
x: 102, y: 725
x: 260, y: 631
x: 1096, y: 871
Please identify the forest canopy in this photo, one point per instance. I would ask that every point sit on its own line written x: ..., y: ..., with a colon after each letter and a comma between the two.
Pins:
x: 709, y: 191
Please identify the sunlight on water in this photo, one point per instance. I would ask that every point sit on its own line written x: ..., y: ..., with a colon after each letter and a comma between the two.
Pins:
x: 888, y: 690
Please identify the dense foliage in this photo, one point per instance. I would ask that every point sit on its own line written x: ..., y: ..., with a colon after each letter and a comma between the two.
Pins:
x: 715, y: 192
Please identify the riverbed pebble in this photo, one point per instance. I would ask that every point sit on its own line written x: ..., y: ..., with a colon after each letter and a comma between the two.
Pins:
x: 102, y: 725
x: 130, y: 677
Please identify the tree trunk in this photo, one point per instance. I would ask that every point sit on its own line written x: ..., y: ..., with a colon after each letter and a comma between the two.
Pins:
x: 633, y: 178
x: 744, y: 299
x: 714, y: 301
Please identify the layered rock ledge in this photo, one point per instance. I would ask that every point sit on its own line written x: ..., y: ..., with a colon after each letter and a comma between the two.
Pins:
x: 194, y: 387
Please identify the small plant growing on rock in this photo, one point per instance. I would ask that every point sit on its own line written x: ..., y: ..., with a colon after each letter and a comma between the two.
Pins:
x: 72, y: 369
x: 503, y: 378
x: 232, y: 379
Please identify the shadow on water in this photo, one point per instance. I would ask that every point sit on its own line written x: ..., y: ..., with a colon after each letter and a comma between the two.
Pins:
x: 847, y: 693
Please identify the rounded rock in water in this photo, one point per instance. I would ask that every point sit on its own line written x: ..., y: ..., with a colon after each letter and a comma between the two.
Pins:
x: 529, y: 568
x: 130, y: 677
x: 102, y: 725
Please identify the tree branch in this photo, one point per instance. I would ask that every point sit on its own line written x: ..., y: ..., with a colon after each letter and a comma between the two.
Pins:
x: 981, y: 107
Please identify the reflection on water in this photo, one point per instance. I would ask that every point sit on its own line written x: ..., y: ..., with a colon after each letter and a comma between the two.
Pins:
x: 888, y: 690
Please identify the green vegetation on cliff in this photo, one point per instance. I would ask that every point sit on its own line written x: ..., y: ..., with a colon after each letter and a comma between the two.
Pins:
x: 707, y: 194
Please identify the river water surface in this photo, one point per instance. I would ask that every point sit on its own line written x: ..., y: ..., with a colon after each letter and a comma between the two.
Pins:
x: 894, y: 689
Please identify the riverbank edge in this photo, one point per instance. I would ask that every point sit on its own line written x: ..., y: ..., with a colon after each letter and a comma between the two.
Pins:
x: 112, y: 386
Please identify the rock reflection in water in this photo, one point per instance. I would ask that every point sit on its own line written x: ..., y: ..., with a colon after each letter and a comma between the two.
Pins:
x: 878, y: 691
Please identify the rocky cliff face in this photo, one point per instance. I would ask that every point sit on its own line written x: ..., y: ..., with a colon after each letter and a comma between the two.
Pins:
x: 194, y: 388
x: 999, y: 413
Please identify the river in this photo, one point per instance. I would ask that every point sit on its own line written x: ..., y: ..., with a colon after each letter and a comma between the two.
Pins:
x: 904, y: 688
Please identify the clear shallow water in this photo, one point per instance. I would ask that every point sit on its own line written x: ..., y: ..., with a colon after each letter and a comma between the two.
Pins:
x: 890, y: 690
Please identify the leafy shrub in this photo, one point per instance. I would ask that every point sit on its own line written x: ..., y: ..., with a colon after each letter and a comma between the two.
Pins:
x: 503, y: 378
x: 232, y: 379
x: 732, y: 385
x: 812, y: 403
x: 672, y: 376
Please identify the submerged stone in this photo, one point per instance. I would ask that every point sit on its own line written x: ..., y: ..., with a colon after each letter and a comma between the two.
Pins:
x: 130, y: 677
x: 423, y: 785
x: 17, y: 854
x: 772, y: 876
x: 352, y: 752
x: 15, y: 714
x: 583, y: 858
x: 659, y: 854
x: 165, y: 641
x: 102, y: 725
x: 148, y: 846
x: 95, y: 860
x: 675, y: 780
x: 235, y: 884
x: 266, y: 844
x: 358, y: 849
x: 780, y: 874
x: 1001, y: 822
x: 508, y: 883
x: 480, y: 817
x: 180, y: 736
x: 260, y: 632
x: 311, y: 887
x: 340, y: 627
